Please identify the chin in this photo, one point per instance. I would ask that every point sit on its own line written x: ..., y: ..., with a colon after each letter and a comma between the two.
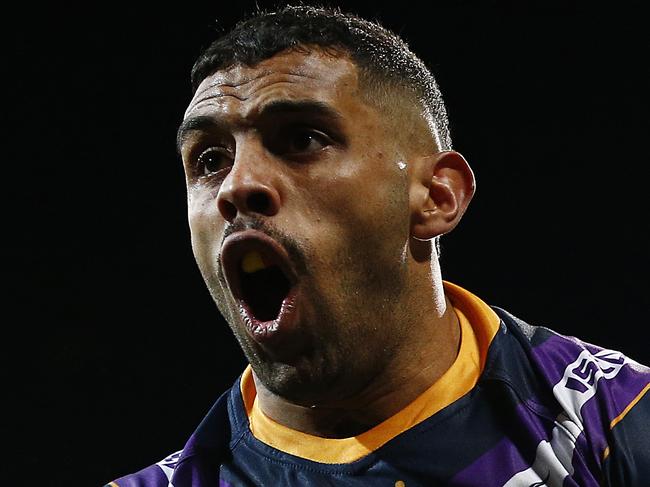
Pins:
x: 304, y: 383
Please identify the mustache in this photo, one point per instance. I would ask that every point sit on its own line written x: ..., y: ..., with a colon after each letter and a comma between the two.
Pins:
x: 297, y: 251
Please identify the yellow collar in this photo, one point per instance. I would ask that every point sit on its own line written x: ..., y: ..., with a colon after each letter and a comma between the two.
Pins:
x: 478, y: 323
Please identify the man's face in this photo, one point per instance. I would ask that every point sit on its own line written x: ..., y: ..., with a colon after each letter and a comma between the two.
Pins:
x: 299, y: 215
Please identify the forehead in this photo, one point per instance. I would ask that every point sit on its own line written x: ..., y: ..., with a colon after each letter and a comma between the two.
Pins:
x: 243, y: 91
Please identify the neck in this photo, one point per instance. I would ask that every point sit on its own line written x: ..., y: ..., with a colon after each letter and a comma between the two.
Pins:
x: 419, y: 363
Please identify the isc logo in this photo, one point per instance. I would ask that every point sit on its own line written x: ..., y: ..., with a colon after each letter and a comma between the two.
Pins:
x: 606, y: 363
x: 580, y: 380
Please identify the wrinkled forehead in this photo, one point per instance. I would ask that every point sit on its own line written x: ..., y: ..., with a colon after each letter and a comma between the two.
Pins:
x: 288, y: 75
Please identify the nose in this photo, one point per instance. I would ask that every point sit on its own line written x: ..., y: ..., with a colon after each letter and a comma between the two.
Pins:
x: 250, y: 188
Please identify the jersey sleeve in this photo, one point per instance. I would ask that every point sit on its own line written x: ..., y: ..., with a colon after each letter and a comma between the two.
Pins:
x: 605, y: 407
x: 627, y: 456
x: 157, y: 475
x: 605, y: 393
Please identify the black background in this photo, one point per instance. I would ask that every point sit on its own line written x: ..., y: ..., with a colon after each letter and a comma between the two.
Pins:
x: 113, y: 350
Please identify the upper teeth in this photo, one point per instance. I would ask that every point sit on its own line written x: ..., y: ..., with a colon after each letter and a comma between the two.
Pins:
x: 252, y: 262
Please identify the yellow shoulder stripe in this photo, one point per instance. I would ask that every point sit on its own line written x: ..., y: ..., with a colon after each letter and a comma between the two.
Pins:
x: 618, y: 418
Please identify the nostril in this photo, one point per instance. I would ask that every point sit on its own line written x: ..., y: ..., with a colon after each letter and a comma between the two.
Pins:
x: 258, y: 202
x: 227, y: 210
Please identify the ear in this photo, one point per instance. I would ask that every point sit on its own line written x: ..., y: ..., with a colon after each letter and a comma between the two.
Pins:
x: 442, y: 186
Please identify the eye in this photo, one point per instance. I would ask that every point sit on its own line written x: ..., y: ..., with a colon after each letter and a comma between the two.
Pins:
x: 213, y: 160
x: 306, y: 141
x: 301, y: 141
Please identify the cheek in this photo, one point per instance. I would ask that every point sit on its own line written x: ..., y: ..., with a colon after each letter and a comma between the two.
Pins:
x: 367, y: 193
x: 204, y: 230
x: 358, y: 219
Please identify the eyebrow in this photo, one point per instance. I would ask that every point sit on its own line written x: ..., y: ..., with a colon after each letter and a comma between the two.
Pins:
x: 279, y: 107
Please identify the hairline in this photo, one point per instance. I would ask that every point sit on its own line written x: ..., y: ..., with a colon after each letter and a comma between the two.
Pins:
x: 376, y: 89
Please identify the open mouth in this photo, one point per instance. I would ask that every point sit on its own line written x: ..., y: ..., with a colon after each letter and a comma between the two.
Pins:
x: 263, y: 287
x: 261, y: 279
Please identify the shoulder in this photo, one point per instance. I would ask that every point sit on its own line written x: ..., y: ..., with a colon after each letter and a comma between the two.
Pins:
x: 200, y: 456
x: 156, y: 475
x: 575, y: 370
x: 600, y: 395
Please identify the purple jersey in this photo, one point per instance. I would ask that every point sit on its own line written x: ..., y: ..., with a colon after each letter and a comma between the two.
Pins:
x: 548, y: 410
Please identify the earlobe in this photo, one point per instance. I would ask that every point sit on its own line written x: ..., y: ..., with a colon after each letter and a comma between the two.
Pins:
x: 442, y: 187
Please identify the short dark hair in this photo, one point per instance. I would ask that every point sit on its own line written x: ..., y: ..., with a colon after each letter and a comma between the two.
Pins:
x: 383, y: 58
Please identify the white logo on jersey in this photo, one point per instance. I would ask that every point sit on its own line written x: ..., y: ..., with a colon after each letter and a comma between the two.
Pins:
x: 168, y: 465
x: 554, y: 458
x: 580, y: 380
